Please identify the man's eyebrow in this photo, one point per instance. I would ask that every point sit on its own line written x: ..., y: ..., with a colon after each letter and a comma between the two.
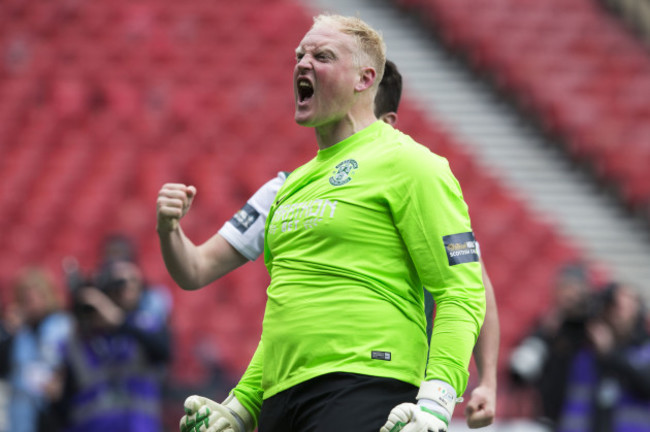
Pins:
x: 328, y: 51
x: 318, y: 49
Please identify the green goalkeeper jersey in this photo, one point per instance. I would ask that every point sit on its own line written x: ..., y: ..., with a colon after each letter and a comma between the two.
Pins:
x: 350, y: 240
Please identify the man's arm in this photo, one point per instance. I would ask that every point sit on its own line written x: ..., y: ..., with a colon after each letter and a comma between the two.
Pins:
x: 241, y: 239
x: 481, y: 409
x: 249, y: 388
x: 433, y: 220
x: 191, y: 266
x: 243, y: 235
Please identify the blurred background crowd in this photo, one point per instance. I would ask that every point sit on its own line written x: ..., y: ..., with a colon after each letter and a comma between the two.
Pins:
x: 101, y: 102
x: 94, y: 354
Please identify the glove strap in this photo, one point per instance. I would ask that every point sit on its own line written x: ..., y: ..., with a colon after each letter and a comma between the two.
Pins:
x: 439, y: 397
x: 240, y: 413
x: 439, y: 416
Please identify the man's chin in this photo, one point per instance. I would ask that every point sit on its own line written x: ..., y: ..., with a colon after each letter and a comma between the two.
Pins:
x: 303, y: 120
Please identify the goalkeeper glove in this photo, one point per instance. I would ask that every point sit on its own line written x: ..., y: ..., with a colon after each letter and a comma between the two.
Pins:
x: 205, y: 415
x: 409, y: 417
x: 436, y: 401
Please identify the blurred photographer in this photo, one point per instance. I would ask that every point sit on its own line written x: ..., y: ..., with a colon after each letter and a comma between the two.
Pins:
x: 543, y: 359
x: 119, y: 248
x: 609, y: 385
x: 114, y: 364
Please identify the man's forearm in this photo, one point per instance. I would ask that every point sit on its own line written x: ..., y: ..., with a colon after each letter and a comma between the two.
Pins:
x: 249, y: 388
x: 486, y: 350
x: 193, y: 267
x: 181, y: 258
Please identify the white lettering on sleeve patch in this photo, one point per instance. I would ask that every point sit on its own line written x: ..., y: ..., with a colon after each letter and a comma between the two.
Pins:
x: 461, y: 248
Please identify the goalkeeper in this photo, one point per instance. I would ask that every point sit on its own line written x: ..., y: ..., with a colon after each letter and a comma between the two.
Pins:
x: 244, y: 242
x: 385, y: 219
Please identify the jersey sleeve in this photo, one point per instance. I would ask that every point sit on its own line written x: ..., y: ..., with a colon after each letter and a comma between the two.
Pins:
x: 245, y: 230
x: 432, y: 218
x: 249, y: 388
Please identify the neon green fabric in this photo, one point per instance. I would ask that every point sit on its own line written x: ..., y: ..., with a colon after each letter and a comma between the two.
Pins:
x: 249, y: 388
x: 350, y: 240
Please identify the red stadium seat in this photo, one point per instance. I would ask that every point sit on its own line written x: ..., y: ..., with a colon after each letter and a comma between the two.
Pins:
x: 578, y: 71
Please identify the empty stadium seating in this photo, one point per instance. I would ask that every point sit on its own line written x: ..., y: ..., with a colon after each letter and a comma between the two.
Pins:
x: 572, y: 65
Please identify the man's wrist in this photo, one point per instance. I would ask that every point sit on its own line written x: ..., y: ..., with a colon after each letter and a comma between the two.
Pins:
x: 438, y: 396
x: 240, y: 412
x: 489, y: 382
x: 163, y: 229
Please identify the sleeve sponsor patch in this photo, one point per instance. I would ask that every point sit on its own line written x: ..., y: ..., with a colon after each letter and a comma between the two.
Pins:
x: 461, y: 248
x: 244, y: 218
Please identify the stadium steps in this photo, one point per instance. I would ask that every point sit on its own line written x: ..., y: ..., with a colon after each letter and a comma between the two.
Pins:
x: 505, y: 143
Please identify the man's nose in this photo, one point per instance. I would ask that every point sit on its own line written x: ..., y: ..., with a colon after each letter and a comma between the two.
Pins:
x: 304, y: 64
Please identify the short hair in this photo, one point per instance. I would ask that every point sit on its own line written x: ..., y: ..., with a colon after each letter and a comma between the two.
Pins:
x: 369, y: 40
x: 389, y: 92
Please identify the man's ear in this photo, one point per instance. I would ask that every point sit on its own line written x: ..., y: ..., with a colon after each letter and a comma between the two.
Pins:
x: 389, y: 117
x: 366, y: 79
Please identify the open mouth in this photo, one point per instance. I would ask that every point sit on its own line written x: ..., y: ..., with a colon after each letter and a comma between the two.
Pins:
x: 305, y: 90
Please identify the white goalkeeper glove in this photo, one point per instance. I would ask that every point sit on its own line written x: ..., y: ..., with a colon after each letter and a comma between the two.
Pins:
x: 205, y: 415
x: 436, y: 401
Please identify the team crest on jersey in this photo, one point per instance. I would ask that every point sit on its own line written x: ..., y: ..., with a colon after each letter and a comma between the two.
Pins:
x: 343, y: 172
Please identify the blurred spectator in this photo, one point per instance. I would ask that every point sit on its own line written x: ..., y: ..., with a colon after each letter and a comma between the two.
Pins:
x: 115, y: 363
x: 7, y: 329
x: 118, y: 247
x: 8, y: 326
x: 543, y: 358
x: 608, y: 387
x: 157, y: 298
x: 40, y: 330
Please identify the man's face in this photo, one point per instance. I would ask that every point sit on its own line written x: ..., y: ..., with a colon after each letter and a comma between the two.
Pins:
x: 570, y: 296
x: 324, y: 76
x: 34, y: 304
x: 624, y: 312
x: 127, y: 294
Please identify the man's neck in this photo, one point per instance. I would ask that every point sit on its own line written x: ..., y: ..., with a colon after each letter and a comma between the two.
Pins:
x: 333, y: 133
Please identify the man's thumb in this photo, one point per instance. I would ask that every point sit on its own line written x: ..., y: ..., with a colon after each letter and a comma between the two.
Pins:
x: 190, y: 192
x: 470, y: 408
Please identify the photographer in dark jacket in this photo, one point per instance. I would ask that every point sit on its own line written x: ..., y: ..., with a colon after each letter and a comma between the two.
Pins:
x: 543, y: 359
x: 114, y: 364
x: 609, y: 383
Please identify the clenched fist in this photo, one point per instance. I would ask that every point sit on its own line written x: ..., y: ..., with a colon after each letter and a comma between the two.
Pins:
x: 174, y: 201
x: 481, y: 407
